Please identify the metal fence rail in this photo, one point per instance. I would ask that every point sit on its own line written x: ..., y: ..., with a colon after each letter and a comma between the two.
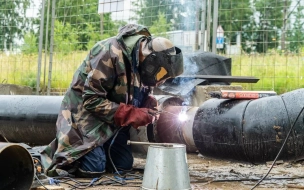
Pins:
x: 42, y: 42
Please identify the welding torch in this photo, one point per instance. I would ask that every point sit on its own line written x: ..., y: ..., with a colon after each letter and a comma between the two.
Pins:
x: 161, y: 111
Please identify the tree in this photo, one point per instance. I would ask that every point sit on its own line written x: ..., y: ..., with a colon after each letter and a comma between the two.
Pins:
x: 174, y: 12
x: 160, y: 26
x: 236, y: 16
x: 13, y: 21
x: 65, y: 38
x: 295, y: 35
x: 83, y: 18
x: 270, y: 19
x: 30, y: 43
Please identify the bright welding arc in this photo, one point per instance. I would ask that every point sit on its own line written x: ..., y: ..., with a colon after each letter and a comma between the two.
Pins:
x: 182, y: 116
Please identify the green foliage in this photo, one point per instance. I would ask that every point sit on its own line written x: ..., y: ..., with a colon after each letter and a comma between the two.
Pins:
x: 78, y: 13
x: 147, y: 12
x: 236, y: 16
x: 65, y: 38
x: 262, y: 22
x: 267, y: 30
x: 30, y: 43
x: 30, y: 79
x: 84, y: 20
x: 13, y: 21
x: 295, y: 35
x: 94, y: 36
x: 160, y: 26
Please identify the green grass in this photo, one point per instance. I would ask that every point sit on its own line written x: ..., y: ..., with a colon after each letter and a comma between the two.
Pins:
x: 22, y: 70
x: 276, y: 72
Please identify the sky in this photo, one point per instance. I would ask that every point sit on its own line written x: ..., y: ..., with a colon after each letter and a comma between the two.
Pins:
x: 120, y: 9
x: 33, y: 11
x: 123, y: 12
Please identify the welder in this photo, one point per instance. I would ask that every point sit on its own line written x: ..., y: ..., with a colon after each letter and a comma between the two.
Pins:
x: 111, y: 91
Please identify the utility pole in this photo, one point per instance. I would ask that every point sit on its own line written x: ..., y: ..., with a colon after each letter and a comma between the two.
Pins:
x: 214, y: 22
x: 203, y: 21
x: 196, y: 26
x: 40, y: 48
x: 51, y: 47
x: 208, y: 25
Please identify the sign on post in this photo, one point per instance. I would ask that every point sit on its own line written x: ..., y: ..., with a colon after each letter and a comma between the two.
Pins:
x: 219, y: 37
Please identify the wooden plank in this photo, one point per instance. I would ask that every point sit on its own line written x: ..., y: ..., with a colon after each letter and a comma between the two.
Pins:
x: 50, y: 187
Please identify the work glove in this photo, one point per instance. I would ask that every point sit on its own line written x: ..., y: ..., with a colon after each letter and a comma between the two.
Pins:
x: 150, y: 102
x: 126, y: 115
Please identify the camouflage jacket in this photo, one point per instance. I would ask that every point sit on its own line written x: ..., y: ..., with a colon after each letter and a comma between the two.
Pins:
x: 100, y: 83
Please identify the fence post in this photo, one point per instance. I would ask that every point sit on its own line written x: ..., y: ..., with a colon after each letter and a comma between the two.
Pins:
x: 51, y: 48
x: 46, y: 43
x: 208, y: 25
x: 214, y: 24
x: 196, y: 26
x: 40, y: 48
x: 202, y: 47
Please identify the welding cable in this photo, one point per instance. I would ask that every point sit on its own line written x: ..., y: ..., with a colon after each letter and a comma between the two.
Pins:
x: 128, y: 178
x: 77, y: 185
x: 122, y: 177
x: 84, y: 185
x: 68, y: 179
x: 36, y: 168
x: 40, y: 182
x: 109, y: 150
x: 120, y: 182
x: 89, y: 184
x: 136, y: 176
x: 119, y: 177
x: 110, y: 181
x: 248, y: 179
x: 288, y: 134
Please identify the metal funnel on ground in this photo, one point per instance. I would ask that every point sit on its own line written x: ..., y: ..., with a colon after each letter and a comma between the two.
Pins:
x: 16, y: 167
x: 166, y: 168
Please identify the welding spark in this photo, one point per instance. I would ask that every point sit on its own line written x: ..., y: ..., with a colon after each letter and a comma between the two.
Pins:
x: 182, y: 116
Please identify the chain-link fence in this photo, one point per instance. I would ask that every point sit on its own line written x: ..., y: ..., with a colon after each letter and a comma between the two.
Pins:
x: 42, y: 42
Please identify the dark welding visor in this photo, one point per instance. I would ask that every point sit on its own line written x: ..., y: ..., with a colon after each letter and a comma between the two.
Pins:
x: 161, y: 65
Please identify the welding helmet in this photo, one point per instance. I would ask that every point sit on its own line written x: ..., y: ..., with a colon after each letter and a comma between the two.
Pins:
x: 163, y: 61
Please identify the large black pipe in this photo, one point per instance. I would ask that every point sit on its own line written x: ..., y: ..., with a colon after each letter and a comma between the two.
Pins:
x: 247, y: 130
x: 29, y: 119
x: 251, y: 130
x: 16, y: 167
x: 32, y: 119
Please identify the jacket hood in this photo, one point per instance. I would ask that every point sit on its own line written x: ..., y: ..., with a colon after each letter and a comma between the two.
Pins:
x: 132, y: 29
x: 128, y: 36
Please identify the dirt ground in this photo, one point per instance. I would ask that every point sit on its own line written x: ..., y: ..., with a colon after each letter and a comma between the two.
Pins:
x: 214, y: 174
